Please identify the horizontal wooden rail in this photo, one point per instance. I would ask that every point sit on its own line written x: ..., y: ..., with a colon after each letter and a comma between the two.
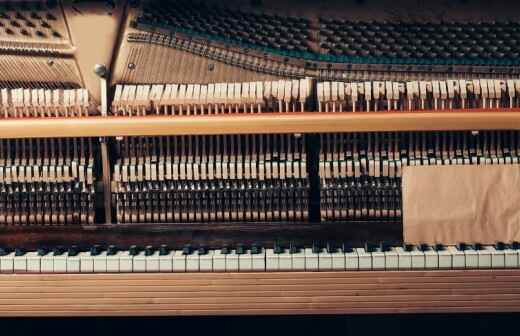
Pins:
x: 260, y: 293
x: 308, y: 122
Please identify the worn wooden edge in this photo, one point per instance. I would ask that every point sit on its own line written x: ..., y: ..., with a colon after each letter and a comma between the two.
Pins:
x: 265, y: 123
x: 277, y: 293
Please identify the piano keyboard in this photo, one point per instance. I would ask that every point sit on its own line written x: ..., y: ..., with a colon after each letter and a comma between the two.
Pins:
x: 255, y: 258
x: 211, y: 178
x: 451, y: 94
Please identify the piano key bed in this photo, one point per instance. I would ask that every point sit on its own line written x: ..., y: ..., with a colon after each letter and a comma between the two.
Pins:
x: 256, y: 258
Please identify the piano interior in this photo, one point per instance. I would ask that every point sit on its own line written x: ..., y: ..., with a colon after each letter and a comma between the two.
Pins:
x: 316, y: 203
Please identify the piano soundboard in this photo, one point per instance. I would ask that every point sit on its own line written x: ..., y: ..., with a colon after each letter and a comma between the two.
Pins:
x: 196, y: 152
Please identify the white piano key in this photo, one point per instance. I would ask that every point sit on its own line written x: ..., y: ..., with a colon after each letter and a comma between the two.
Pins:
x: 285, y: 261
x: 20, y: 263
x: 405, y: 258
x: 192, y: 262
x: 271, y: 260
x: 351, y: 260
x: 245, y: 261
x: 445, y: 259
x: 60, y: 263
x: 338, y: 260
x: 73, y: 263
x: 139, y: 263
x: 378, y: 260
x: 365, y: 259
x: 418, y: 258
x: 298, y: 260
x: 325, y: 260
x: 258, y: 261
x: 471, y: 258
x: 179, y: 261
x: 391, y: 260
x: 431, y: 259
x: 152, y: 262
x: 33, y: 262
x: 206, y: 262
x: 485, y: 257
x: 219, y: 261
x: 511, y: 258
x: 113, y: 262
x: 458, y: 257
x: 47, y: 263
x: 232, y: 261
x: 125, y: 262
x: 7, y: 263
x: 311, y: 260
x: 86, y: 262
x: 166, y: 262
x: 100, y: 262
x: 498, y: 257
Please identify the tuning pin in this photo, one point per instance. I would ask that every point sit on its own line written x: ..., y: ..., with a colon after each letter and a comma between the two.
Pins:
x: 133, y: 250
x: 111, y: 250
x: 73, y: 251
x: 164, y: 250
x: 187, y: 249
x: 148, y: 250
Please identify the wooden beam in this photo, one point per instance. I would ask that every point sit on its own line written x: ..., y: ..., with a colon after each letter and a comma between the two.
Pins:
x: 260, y: 293
x: 309, y: 122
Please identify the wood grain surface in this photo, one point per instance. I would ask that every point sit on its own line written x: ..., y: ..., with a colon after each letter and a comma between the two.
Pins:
x: 265, y: 123
x: 260, y: 293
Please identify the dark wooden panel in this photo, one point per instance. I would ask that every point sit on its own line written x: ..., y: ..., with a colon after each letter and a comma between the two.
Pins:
x: 207, y: 234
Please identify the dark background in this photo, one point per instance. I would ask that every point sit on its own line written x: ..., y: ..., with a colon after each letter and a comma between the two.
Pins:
x: 359, y: 325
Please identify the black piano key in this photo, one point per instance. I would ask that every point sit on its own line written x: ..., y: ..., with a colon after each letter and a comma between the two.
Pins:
x: 111, y: 250
x: 164, y: 250
x: 149, y: 250
x: 187, y: 249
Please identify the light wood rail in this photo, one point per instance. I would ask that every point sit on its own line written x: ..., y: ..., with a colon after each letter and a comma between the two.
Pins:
x: 134, y: 294
x: 307, y: 122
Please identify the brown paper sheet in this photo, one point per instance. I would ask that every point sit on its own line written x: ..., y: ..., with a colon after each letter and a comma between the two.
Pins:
x: 451, y: 204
